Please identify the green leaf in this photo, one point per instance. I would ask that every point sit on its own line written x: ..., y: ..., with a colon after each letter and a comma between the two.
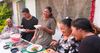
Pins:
x: 5, y: 12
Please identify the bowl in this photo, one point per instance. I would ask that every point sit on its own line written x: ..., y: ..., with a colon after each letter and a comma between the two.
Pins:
x: 5, y: 35
x: 15, y: 38
x: 14, y: 50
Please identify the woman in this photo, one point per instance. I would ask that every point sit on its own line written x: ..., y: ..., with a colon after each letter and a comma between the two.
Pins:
x: 43, y: 34
x: 67, y: 43
x: 83, y: 30
x: 96, y: 29
x: 10, y: 27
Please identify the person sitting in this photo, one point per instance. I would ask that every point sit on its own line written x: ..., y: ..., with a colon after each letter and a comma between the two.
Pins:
x: 83, y: 30
x: 67, y: 43
x: 9, y: 27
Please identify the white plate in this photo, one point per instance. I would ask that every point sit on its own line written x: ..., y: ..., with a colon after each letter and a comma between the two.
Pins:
x: 22, y: 30
x: 29, y: 48
x: 6, y: 35
x: 37, y: 26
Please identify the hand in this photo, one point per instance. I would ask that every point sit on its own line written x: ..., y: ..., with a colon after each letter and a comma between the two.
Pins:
x: 51, y: 51
x: 42, y: 28
x: 53, y: 43
x: 19, y: 26
x: 27, y: 30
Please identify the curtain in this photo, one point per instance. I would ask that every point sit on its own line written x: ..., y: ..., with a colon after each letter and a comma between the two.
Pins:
x: 92, y: 10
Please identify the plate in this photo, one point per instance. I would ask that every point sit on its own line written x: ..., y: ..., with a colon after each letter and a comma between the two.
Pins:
x: 37, y: 26
x: 37, y: 47
x: 5, y: 35
x: 22, y: 30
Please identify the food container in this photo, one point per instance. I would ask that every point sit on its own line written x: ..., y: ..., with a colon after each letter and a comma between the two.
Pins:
x: 15, y: 38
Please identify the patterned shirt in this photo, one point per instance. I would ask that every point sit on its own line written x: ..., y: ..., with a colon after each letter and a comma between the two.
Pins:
x: 68, y: 46
x: 10, y: 29
x: 42, y: 37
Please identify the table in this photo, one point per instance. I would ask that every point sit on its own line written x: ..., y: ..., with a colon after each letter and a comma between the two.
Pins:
x: 3, y: 42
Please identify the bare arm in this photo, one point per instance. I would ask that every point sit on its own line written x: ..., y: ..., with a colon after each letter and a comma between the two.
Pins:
x: 51, y: 28
x: 28, y: 30
x: 35, y: 35
x: 50, y: 31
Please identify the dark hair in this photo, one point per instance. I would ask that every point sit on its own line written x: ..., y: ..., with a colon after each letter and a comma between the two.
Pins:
x: 96, y: 29
x: 50, y: 10
x: 83, y: 23
x: 25, y: 10
x: 67, y: 21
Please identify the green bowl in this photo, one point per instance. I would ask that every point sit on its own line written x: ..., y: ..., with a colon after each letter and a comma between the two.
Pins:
x: 9, y: 43
x: 25, y: 51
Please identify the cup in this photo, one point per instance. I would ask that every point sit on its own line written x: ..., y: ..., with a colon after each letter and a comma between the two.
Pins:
x: 15, y: 38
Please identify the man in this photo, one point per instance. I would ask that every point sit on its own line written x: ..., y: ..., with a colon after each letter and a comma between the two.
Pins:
x: 9, y: 27
x: 28, y: 23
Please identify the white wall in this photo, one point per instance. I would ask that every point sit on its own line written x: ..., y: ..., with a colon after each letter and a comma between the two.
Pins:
x: 1, y: 0
x: 18, y: 6
x: 57, y: 34
x: 30, y: 4
x: 97, y: 13
x: 15, y: 17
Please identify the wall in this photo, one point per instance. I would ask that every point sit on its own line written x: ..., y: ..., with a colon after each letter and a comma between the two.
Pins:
x: 17, y: 8
x: 19, y: 5
x: 15, y: 17
x: 97, y: 13
x: 30, y: 4
x: 63, y: 8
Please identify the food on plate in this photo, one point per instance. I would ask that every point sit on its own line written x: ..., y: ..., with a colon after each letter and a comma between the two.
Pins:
x: 44, y: 51
x: 34, y: 48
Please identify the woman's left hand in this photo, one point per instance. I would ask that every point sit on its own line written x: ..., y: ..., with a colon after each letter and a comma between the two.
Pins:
x: 42, y: 27
x: 51, y: 51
